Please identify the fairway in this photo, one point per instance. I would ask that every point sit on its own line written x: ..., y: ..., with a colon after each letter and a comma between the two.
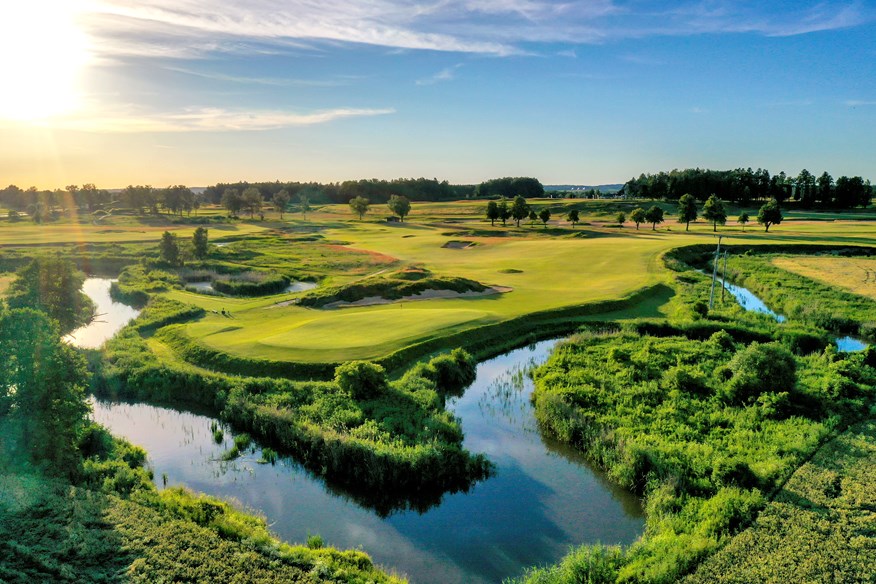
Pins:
x: 857, y: 275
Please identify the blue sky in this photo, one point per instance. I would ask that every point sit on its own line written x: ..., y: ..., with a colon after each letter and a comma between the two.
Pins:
x: 198, y: 91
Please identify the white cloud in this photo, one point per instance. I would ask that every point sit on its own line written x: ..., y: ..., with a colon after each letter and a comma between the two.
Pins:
x: 859, y: 103
x: 446, y: 74
x: 204, y: 120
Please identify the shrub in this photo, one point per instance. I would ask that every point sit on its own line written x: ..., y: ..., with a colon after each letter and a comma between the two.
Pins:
x: 362, y: 379
x: 759, y: 368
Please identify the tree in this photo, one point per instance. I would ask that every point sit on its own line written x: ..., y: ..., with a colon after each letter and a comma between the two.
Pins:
x: 825, y: 189
x: 280, y: 200
x: 769, y: 214
x: 232, y: 201
x: 572, y: 217
x: 687, y: 210
x: 638, y: 216
x: 42, y: 387
x: 743, y: 219
x: 533, y: 217
x: 492, y: 212
x: 199, y: 243
x: 303, y: 204
x: 805, y: 188
x: 399, y: 205
x: 169, y: 248
x: 52, y: 285
x: 519, y: 209
x: 713, y: 210
x: 545, y: 216
x: 654, y: 215
x: 359, y: 205
x: 504, y: 210
x: 621, y: 219
x: 252, y: 201
x: 177, y: 198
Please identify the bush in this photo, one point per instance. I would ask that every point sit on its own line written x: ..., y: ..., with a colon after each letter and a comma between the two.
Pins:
x: 760, y: 368
x: 362, y: 379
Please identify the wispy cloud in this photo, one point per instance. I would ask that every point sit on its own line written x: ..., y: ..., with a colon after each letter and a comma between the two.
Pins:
x: 272, y: 81
x: 446, y: 74
x: 185, y: 28
x: 205, y: 120
x: 859, y: 103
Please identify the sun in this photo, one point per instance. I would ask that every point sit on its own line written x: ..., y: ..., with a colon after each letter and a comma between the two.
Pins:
x: 42, y: 53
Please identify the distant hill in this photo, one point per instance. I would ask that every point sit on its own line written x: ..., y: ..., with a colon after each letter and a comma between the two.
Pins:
x: 603, y: 188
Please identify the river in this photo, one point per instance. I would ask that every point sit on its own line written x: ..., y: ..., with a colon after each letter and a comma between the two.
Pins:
x: 542, y: 500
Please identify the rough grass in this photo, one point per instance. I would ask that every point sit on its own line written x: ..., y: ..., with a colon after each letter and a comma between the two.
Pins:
x: 820, y: 528
x: 857, y: 275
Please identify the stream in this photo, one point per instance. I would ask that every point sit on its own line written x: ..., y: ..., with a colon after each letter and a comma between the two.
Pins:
x: 542, y: 500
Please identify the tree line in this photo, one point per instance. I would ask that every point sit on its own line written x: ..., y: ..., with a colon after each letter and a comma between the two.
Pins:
x: 744, y: 185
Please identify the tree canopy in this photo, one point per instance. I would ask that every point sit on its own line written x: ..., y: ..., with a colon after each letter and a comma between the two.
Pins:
x: 714, y: 211
x: 400, y: 205
x: 654, y: 215
x: 769, y: 214
x: 52, y: 285
x: 687, y: 210
x: 359, y: 205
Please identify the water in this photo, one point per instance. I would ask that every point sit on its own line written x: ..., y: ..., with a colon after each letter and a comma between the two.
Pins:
x: 207, y: 287
x: 749, y: 301
x: 110, y: 317
x: 542, y: 500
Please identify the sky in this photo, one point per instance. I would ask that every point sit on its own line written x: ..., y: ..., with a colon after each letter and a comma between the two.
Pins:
x: 195, y: 92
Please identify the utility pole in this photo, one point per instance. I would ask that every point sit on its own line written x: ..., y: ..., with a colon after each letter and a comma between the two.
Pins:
x: 724, y: 277
x: 715, y: 273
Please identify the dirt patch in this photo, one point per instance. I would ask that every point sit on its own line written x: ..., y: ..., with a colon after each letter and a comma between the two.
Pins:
x: 424, y: 295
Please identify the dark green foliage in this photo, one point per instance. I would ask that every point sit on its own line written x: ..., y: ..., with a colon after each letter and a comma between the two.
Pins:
x: 42, y: 389
x: 399, y: 205
x: 545, y: 216
x: 359, y: 205
x: 638, y: 216
x: 509, y: 187
x: 136, y: 282
x: 757, y: 369
x: 687, y: 210
x: 169, y: 248
x: 653, y: 215
x: 200, y: 245
x: 52, y: 285
x: 651, y: 412
x: 251, y: 284
x: 492, y: 212
x: 519, y: 209
x: 714, y: 211
x: 361, y: 379
x: 769, y: 214
x: 450, y: 372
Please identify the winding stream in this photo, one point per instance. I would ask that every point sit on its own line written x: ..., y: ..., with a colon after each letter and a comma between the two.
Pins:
x: 110, y: 316
x: 543, y: 499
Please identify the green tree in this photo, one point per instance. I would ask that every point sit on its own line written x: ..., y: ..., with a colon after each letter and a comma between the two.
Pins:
x: 769, y: 214
x: 232, y: 201
x: 687, y: 210
x: 169, y: 248
x: 743, y: 219
x: 638, y: 216
x: 362, y: 379
x: 199, y: 243
x: 252, y: 201
x: 760, y: 368
x: 52, y: 285
x: 360, y: 205
x: 545, y: 216
x: 622, y: 218
x: 654, y: 215
x: 492, y: 212
x: 825, y: 189
x: 399, y: 205
x: 281, y: 200
x: 504, y: 210
x: 42, y: 388
x: 303, y: 204
x: 519, y: 209
x: 713, y: 210
x: 805, y: 184
x: 573, y: 217
x: 533, y: 217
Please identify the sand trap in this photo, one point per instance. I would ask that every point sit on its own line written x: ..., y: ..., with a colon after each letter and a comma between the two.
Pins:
x: 424, y: 295
x: 458, y: 244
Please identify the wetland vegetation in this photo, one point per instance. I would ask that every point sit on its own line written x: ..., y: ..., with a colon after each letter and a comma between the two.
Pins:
x: 710, y: 416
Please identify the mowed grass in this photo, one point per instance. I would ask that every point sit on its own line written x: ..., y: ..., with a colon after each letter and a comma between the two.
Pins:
x: 857, y: 275
x: 545, y: 268
x: 27, y: 233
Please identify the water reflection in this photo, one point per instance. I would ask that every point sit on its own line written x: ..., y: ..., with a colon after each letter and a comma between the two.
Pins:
x: 542, y: 500
x: 110, y: 316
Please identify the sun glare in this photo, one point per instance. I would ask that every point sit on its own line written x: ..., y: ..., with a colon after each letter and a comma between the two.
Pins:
x: 42, y: 52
